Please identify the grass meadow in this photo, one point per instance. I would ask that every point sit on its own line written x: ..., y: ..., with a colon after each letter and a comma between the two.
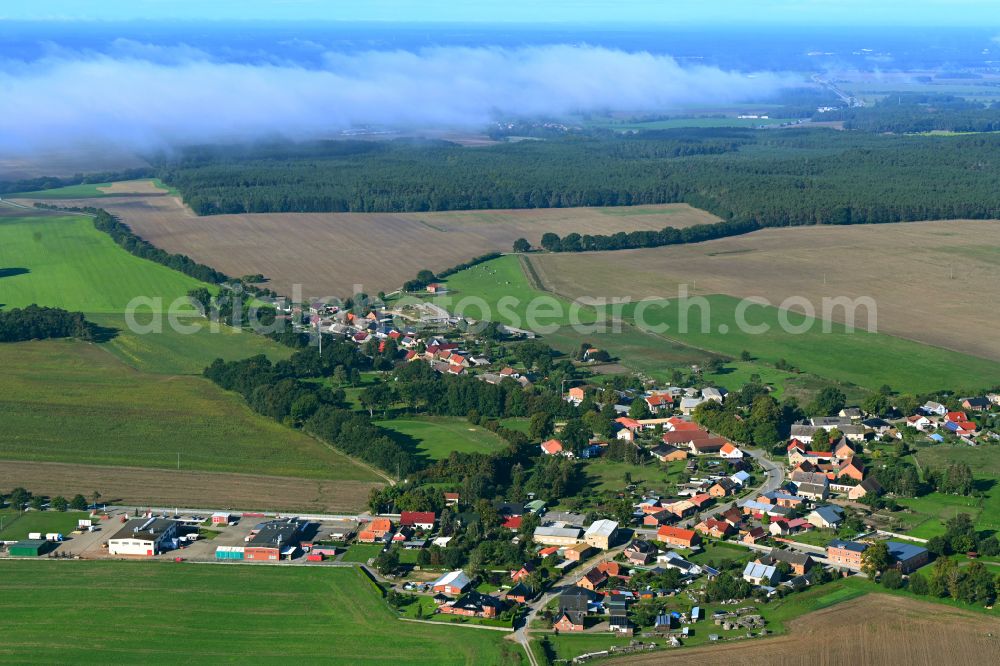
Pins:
x: 70, y: 401
x: 437, y: 437
x: 18, y: 527
x: 142, y: 612
x: 67, y: 263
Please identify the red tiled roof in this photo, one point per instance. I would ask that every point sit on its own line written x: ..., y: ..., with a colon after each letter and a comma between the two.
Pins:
x: 414, y: 517
x: 512, y: 523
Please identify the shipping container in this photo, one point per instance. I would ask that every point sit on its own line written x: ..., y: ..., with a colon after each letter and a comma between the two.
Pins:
x: 316, y: 557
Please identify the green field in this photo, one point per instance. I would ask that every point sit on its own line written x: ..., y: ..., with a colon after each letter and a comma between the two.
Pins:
x: 362, y: 552
x: 865, y: 359
x: 932, y: 510
x: 174, y: 353
x: 70, y: 264
x: 609, y: 475
x: 436, y: 437
x: 501, y: 285
x: 70, y: 401
x: 81, y: 191
x: 19, y: 527
x: 82, y: 612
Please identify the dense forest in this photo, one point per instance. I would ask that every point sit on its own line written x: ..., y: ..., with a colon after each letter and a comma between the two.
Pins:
x: 749, y: 178
x: 916, y: 112
x: 39, y: 323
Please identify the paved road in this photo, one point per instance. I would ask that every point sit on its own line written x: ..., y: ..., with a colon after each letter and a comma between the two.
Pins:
x: 567, y: 581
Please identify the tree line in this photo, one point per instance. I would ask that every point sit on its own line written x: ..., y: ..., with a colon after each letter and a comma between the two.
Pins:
x: 746, y: 177
x: 35, y: 322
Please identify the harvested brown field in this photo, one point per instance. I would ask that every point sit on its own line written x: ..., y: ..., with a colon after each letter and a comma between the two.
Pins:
x: 873, y: 630
x: 933, y: 282
x: 160, y: 487
x: 132, y: 187
x: 328, y: 253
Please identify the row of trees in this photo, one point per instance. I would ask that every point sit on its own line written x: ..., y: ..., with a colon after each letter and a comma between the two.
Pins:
x: 21, y: 498
x: 39, y: 323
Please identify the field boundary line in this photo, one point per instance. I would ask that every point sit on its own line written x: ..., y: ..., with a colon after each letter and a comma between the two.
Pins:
x: 455, y: 624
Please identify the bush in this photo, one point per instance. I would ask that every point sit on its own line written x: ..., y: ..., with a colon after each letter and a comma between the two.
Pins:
x: 892, y: 579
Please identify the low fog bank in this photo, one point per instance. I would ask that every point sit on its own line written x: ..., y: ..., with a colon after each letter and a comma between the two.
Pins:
x: 145, y: 97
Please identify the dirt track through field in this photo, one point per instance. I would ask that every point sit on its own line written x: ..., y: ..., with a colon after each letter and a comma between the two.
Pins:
x: 873, y: 630
x: 157, y: 487
x: 933, y: 282
x: 328, y: 253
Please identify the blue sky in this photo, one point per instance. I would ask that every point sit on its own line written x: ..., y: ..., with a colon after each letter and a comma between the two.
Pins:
x: 975, y: 13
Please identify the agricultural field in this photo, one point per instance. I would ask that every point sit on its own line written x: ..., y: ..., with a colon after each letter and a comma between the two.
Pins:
x: 502, y: 288
x: 875, y: 629
x: 376, y: 249
x: 97, y: 190
x: 65, y: 612
x: 65, y: 262
x: 436, y: 437
x: 19, y: 527
x: 865, y: 359
x: 934, y: 509
x: 696, y: 121
x: 71, y: 401
x: 930, y: 280
x: 144, y: 486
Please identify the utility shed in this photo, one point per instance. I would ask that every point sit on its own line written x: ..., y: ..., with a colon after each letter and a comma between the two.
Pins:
x: 29, y: 548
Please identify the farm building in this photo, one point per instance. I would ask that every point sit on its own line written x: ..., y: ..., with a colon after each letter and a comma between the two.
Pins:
x: 557, y: 535
x: 675, y: 536
x: 452, y: 583
x: 143, y: 536
x: 601, y: 533
x: 229, y: 553
x: 222, y: 518
x: 908, y: 557
x: 29, y: 548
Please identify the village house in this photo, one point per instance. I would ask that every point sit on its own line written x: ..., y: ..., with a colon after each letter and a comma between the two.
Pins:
x: 869, y: 485
x: 592, y: 580
x: 933, y: 408
x: 713, y: 527
x: 845, y: 553
x: 828, y: 516
x: 761, y: 574
x: 852, y: 468
x: 799, y: 562
x: 520, y: 574
x: 577, y: 552
x: 552, y: 447
x: 576, y: 395
x: 376, y: 530
x: 707, y: 446
x: 569, y: 620
x: 722, y: 488
x: 668, y: 453
x: 520, y: 593
x: 920, y: 422
x: 473, y: 604
x: 730, y: 452
x: 421, y: 520
x: 658, y: 402
x: 677, y: 537
x: 754, y: 535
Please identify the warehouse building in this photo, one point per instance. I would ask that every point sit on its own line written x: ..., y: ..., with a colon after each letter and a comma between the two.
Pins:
x: 273, y: 540
x: 601, y: 533
x: 29, y: 548
x: 144, y: 536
